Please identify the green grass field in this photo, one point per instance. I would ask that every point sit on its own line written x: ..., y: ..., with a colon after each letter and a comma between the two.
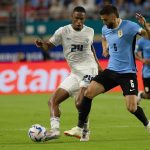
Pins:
x: 112, y: 127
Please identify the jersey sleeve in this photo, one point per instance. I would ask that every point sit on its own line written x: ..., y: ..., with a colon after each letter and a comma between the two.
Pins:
x: 56, y: 39
x: 134, y: 28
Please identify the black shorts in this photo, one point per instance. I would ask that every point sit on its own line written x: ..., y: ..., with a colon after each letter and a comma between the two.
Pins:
x: 146, y: 83
x: 110, y: 79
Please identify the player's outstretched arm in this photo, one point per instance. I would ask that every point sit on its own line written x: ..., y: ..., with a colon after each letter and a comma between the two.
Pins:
x: 146, y: 61
x: 138, y: 56
x: 142, y: 21
x: 105, y: 47
x: 43, y: 45
x: 96, y: 59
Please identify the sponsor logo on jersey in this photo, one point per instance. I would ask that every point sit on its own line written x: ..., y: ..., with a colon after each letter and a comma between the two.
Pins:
x: 86, y: 40
x: 68, y: 38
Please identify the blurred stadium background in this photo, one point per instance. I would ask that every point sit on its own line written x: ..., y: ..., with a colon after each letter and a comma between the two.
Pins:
x: 23, y: 66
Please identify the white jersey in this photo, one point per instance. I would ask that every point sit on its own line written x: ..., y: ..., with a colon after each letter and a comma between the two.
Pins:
x: 76, y: 46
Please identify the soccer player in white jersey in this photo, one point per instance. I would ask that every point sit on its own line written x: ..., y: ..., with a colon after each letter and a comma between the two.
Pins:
x: 77, y: 40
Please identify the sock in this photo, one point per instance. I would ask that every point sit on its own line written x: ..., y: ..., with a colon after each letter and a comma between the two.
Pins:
x: 84, y: 110
x: 55, y: 122
x: 86, y: 124
x: 139, y: 113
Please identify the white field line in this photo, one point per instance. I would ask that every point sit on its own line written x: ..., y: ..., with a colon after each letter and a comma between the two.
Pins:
x: 17, y: 129
x: 107, y: 96
x: 117, y: 126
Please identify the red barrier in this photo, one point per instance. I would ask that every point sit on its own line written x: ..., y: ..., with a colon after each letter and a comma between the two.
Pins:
x: 38, y: 77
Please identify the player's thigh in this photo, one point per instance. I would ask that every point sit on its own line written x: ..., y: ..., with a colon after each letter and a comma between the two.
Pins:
x: 71, y: 85
x: 106, y: 79
x: 128, y: 83
x: 94, y: 89
x: 86, y: 75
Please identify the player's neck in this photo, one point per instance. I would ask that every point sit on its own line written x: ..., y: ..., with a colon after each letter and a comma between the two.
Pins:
x: 76, y: 29
x: 118, y: 21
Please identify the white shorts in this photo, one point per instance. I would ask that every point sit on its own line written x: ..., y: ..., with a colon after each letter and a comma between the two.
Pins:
x: 79, y: 79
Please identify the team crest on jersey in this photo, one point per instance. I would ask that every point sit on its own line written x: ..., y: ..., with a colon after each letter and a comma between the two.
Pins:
x: 87, y: 40
x: 120, y: 33
x: 136, y: 46
x: 68, y: 38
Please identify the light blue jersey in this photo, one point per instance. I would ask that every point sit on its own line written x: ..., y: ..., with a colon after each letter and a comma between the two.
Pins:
x: 121, y: 44
x: 143, y: 45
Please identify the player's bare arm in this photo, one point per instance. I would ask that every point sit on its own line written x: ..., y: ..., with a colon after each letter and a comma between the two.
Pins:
x: 105, y: 47
x: 96, y: 59
x: 43, y: 45
x: 145, y: 61
x: 138, y: 56
x: 146, y: 31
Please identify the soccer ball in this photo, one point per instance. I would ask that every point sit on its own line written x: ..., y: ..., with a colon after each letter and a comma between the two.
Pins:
x: 37, y: 133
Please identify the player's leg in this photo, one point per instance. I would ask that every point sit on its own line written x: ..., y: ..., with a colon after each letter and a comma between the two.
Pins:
x: 146, y: 93
x: 84, y: 78
x: 93, y: 90
x: 64, y: 91
x: 84, y: 110
x: 80, y: 97
x: 100, y: 84
x: 59, y: 96
x: 77, y: 131
x: 83, y: 86
x: 85, y: 131
x: 129, y: 86
x: 131, y: 103
x: 143, y: 95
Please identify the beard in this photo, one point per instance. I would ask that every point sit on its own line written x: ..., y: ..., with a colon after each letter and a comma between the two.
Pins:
x: 77, y: 29
x: 110, y: 26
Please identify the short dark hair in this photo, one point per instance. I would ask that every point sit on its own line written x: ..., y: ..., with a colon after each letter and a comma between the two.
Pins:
x: 79, y: 9
x: 109, y: 9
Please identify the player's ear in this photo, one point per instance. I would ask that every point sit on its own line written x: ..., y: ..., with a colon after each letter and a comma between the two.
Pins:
x: 71, y: 17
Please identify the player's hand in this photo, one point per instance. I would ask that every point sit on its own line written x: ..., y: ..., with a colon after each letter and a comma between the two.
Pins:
x: 146, y: 61
x: 39, y: 43
x: 105, y: 53
x: 140, y: 19
x: 100, y: 71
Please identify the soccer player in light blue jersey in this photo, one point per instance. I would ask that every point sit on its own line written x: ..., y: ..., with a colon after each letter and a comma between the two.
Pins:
x: 119, y: 37
x: 142, y: 53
